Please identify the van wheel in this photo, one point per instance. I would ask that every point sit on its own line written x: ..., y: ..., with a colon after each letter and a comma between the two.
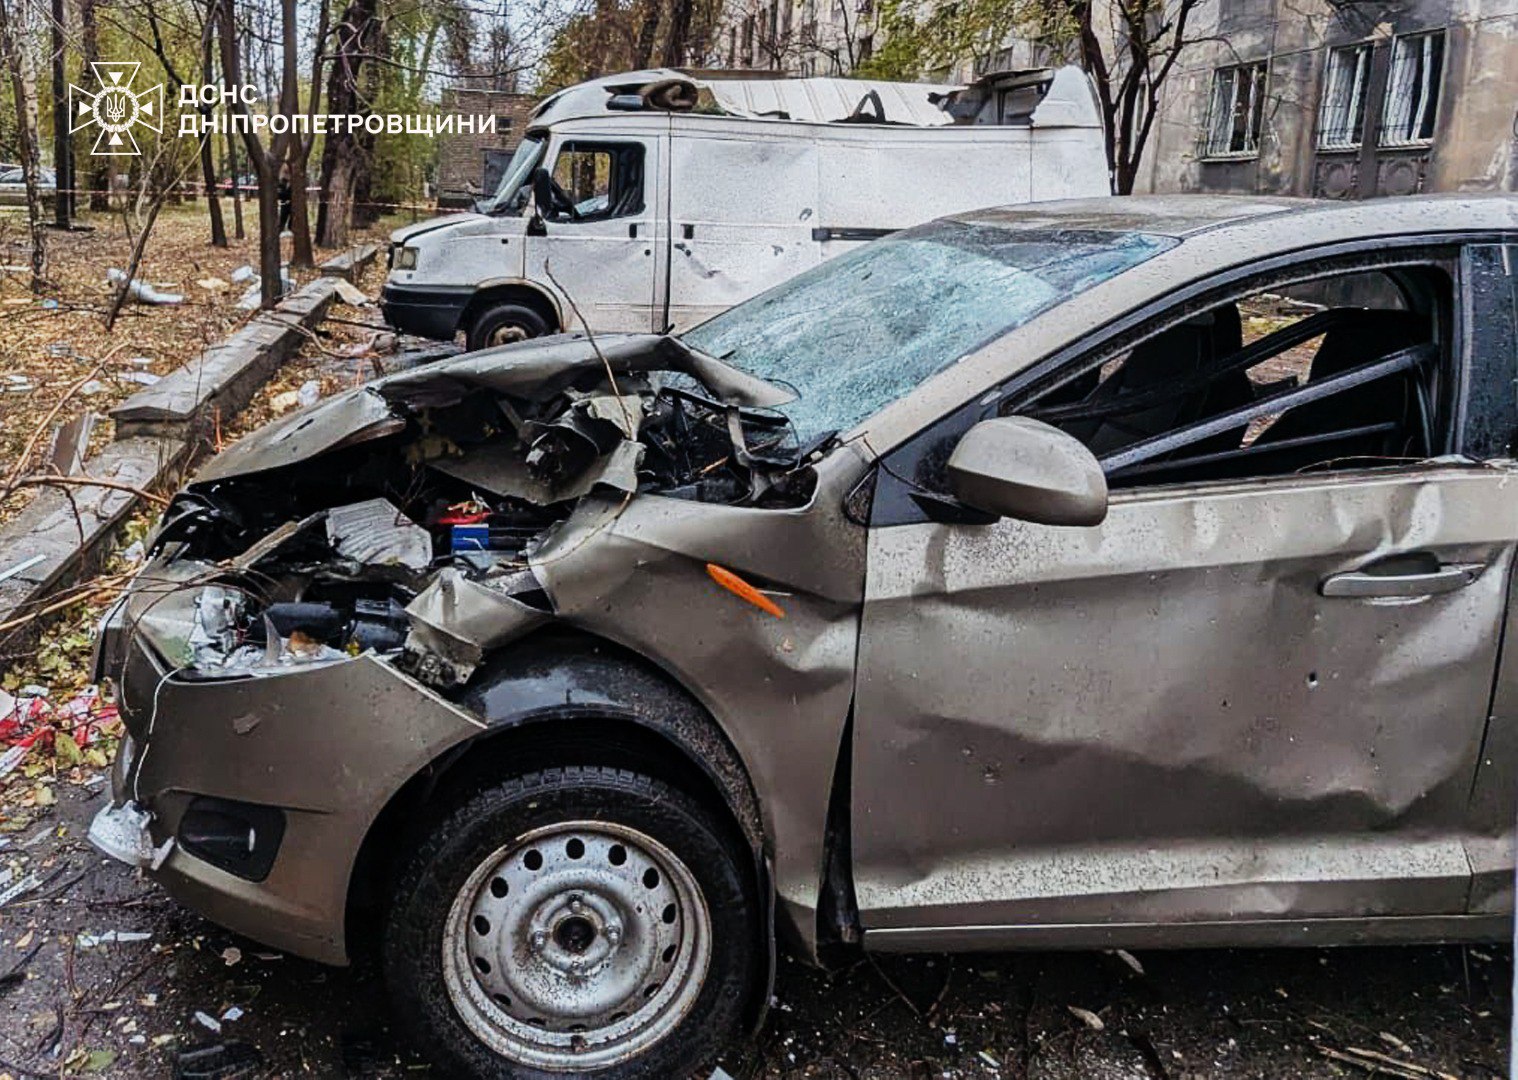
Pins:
x: 579, y: 921
x: 501, y: 324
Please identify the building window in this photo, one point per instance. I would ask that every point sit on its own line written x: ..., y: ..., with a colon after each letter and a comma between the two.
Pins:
x: 1238, y: 110
x: 1412, y: 89
x: 1342, y: 116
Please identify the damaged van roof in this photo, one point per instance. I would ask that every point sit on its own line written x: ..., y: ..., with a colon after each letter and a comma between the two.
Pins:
x: 816, y: 100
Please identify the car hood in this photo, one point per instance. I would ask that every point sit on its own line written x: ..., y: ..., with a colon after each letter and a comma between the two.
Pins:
x: 410, y: 232
x: 533, y: 371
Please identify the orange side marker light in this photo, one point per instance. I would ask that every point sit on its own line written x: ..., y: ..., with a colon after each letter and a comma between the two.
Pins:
x: 743, y: 590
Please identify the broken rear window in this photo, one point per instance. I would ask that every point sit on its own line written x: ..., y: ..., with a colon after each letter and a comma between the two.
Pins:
x: 857, y: 332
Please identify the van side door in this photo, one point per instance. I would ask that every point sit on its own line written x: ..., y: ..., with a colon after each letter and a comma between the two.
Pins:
x: 596, y: 245
x: 742, y: 209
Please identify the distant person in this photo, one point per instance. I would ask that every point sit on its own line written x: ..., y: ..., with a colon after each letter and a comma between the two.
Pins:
x: 284, y: 202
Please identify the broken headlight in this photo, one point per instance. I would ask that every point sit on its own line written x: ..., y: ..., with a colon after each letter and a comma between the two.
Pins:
x: 229, y: 638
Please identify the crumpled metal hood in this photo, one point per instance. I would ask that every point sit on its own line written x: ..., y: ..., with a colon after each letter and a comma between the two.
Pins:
x: 531, y: 370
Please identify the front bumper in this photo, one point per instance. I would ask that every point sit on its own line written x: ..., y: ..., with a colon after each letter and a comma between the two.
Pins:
x: 430, y: 311
x: 328, y: 747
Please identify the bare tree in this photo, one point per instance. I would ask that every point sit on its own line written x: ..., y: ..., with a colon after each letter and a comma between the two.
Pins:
x: 300, y: 153
x: 266, y: 161
x: 207, y: 73
x: 1129, y: 47
x: 20, y: 63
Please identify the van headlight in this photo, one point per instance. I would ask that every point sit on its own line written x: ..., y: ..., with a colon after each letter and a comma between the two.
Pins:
x: 405, y: 258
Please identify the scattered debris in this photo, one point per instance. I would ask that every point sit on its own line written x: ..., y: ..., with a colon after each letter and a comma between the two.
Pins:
x: 111, y: 937
x: 141, y: 291
x: 10, y: 891
x: 1087, y: 1017
x: 21, y: 567
x: 1128, y: 958
x: 222, y: 1061
x: 231, y: 956
x: 206, y: 1020
x: 351, y: 294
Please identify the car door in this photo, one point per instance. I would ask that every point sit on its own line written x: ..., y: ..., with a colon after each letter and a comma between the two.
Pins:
x: 1254, y: 695
x: 601, y: 257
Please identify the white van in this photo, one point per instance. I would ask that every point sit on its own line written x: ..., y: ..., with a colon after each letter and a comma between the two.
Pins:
x: 654, y: 200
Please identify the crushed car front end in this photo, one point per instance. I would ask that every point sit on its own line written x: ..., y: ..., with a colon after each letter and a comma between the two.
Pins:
x: 319, y: 603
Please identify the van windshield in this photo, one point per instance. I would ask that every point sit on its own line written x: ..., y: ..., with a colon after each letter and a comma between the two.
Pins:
x: 859, y: 331
x: 511, y: 193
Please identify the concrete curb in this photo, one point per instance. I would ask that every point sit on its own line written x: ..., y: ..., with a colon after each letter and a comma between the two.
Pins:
x: 159, y: 434
x: 224, y: 378
x: 351, y: 264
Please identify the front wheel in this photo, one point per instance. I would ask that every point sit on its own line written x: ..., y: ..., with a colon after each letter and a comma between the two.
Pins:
x: 501, y: 324
x: 580, y: 921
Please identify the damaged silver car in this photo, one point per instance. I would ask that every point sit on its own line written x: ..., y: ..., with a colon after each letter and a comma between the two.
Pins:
x: 1120, y: 573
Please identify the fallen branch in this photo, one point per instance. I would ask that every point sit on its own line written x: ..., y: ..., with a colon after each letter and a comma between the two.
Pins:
x: 80, y: 593
x: 1377, y: 1063
x: 89, y: 481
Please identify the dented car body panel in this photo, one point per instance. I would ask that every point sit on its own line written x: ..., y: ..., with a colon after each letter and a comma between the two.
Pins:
x: 1222, y: 743
x: 1196, y: 722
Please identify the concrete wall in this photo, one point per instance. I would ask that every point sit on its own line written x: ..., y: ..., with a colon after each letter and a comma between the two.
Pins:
x: 1474, y: 146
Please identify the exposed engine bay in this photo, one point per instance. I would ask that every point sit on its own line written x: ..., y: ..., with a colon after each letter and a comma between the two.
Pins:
x: 356, y: 525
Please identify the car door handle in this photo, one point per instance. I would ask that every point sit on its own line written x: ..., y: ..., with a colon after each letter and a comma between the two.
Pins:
x: 1362, y: 584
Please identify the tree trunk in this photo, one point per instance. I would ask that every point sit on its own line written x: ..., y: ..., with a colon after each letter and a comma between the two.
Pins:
x: 15, y: 46
x: 207, y: 157
x: 337, y: 201
x: 63, y: 158
x: 300, y: 222
x: 301, y: 253
x: 343, y: 150
x: 213, y: 201
x: 677, y: 39
x: 99, y: 174
x: 266, y: 163
x: 237, y: 226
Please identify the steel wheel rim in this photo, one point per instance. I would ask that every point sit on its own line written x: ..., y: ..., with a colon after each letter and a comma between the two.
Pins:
x: 576, y: 946
x: 505, y: 335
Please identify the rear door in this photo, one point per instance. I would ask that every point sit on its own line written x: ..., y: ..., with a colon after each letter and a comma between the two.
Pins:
x: 1255, y: 695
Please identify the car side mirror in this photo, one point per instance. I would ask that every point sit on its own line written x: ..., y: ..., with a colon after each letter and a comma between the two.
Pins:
x: 542, y: 190
x: 1016, y: 467
x: 542, y: 201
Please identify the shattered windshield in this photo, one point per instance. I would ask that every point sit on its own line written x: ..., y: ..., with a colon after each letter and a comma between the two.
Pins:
x: 852, y: 335
x: 511, y: 194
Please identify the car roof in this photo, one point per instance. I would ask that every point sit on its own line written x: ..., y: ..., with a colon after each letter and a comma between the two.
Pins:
x: 1189, y: 216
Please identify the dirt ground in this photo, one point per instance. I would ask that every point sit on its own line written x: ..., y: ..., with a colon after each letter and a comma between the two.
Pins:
x: 101, y: 974
x: 55, y: 340
x: 70, y: 1006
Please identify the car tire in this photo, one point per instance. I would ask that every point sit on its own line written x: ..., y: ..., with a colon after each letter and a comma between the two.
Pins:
x: 583, y: 921
x: 501, y: 324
